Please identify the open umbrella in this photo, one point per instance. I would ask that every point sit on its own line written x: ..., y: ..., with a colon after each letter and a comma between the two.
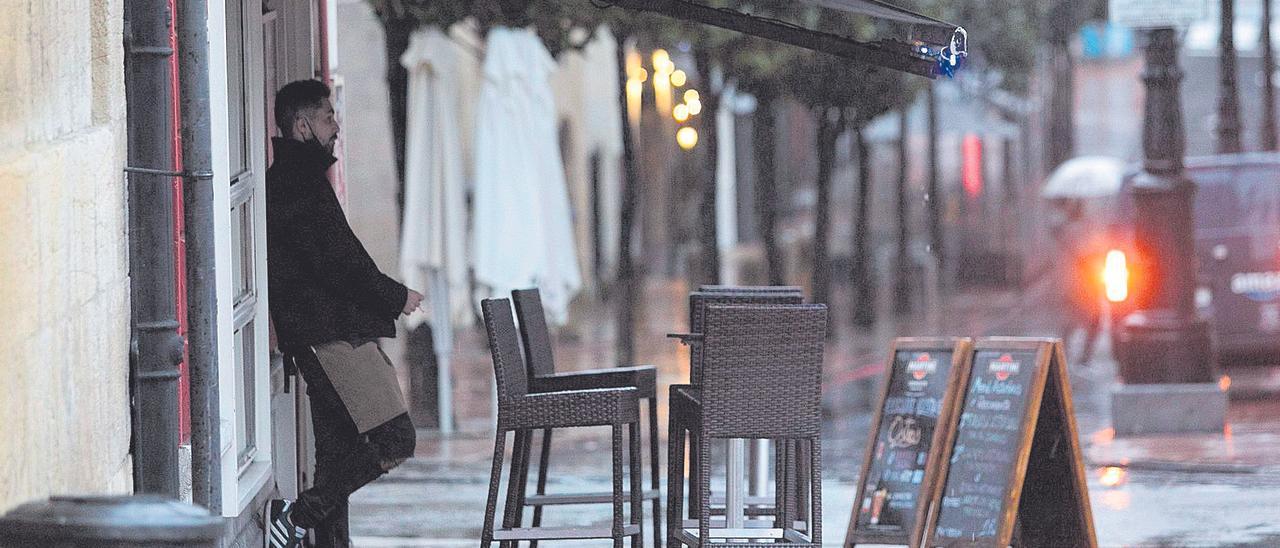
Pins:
x: 1085, y: 177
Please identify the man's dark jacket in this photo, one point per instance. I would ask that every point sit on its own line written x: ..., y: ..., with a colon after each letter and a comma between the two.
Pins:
x: 324, y: 287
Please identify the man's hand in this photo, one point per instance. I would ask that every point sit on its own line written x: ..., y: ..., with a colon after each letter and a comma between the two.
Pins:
x: 411, y: 302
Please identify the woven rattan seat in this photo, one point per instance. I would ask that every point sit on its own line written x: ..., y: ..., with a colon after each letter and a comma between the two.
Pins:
x: 761, y: 371
x: 540, y: 364
x: 522, y: 412
x: 722, y: 294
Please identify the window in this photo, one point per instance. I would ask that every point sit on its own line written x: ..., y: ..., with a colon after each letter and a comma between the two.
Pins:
x: 239, y: 151
x: 1217, y: 203
x: 243, y: 250
x: 237, y: 118
x: 247, y: 427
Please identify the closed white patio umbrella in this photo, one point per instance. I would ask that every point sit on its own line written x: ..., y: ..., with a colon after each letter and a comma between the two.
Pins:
x: 522, y: 233
x: 433, y: 243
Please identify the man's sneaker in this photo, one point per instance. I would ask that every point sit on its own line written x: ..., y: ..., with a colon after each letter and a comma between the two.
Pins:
x: 281, y: 532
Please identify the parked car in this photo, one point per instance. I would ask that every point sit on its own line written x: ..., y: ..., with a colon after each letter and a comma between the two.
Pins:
x: 1237, y: 234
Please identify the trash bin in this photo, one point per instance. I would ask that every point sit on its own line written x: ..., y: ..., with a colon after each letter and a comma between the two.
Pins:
x: 149, y: 521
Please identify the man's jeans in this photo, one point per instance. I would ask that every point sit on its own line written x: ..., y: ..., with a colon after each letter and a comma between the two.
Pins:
x: 345, y: 459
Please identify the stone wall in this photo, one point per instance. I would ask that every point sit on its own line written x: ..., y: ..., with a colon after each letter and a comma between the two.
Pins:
x: 64, y: 286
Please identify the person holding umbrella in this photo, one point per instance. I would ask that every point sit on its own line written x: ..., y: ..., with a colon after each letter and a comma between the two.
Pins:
x: 1080, y: 193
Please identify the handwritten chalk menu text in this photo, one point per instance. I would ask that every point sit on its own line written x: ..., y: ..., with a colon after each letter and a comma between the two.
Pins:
x: 917, y: 407
x: 909, y: 416
x: 985, y: 452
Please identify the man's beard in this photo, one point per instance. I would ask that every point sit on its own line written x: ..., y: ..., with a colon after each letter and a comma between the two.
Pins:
x: 315, y: 142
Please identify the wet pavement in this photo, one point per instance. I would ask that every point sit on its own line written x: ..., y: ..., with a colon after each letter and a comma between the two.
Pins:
x: 1215, y: 489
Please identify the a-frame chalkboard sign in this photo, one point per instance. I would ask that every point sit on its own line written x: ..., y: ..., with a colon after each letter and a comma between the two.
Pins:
x: 918, y: 402
x: 1014, y: 474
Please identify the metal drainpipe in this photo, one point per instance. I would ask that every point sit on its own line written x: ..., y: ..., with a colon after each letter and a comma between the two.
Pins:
x: 179, y: 236
x: 155, y: 346
x: 193, y: 65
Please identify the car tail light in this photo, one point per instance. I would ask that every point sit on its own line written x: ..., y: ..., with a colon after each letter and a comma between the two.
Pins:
x: 1115, y: 276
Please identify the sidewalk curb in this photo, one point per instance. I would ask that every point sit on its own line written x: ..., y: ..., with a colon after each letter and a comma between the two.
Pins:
x: 1185, y: 467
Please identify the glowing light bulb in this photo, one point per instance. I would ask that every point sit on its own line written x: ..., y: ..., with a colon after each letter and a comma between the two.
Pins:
x: 1115, y: 276
x: 678, y: 78
x: 687, y: 138
x: 680, y: 112
x: 661, y: 58
x: 690, y: 95
x: 695, y: 107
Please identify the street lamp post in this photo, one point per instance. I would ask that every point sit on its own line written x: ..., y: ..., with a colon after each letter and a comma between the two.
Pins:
x: 1165, y: 341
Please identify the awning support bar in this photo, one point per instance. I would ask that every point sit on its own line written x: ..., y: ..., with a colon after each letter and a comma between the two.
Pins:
x: 796, y: 36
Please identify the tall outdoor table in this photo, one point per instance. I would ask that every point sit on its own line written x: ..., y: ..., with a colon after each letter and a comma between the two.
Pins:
x: 735, y: 487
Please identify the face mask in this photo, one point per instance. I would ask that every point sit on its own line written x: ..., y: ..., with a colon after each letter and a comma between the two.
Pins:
x: 313, y: 140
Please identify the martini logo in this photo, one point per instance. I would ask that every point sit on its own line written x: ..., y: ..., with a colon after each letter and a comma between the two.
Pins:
x: 922, y: 366
x: 1256, y: 286
x: 1004, y: 367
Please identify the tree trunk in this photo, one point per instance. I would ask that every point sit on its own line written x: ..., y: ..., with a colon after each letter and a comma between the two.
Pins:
x: 828, y: 130
x: 902, y: 278
x: 709, y: 140
x: 397, y: 32
x: 764, y: 141
x: 863, y: 293
x: 1268, y: 90
x: 1061, y: 145
x: 1228, y: 129
x: 1061, y: 26
x: 933, y: 198
x: 628, y: 283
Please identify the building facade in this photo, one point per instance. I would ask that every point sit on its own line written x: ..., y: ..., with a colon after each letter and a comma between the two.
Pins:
x: 65, y: 275
x: 64, y: 268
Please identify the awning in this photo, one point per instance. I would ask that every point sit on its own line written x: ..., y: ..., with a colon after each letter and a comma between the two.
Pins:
x: 921, y: 45
x: 919, y: 27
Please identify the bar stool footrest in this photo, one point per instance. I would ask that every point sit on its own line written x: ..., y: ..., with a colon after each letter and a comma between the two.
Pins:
x: 562, y: 533
x: 719, y: 523
x: 753, y: 506
x: 747, y: 537
x: 583, y: 498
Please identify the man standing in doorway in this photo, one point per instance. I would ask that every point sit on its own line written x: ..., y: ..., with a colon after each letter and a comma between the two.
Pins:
x: 329, y: 304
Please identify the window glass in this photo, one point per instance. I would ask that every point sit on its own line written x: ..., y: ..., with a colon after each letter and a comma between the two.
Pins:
x: 1258, y: 188
x: 1217, y: 202
x: 242, y: 250
x: 237, y: 112
x: 246, y: 406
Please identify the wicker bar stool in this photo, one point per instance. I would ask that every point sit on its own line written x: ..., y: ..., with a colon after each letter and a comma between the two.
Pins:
x: 540, y: 363
x: 792, y: 459
x: 523, y: 412
x: 698, y: 301
x: 762, y: 373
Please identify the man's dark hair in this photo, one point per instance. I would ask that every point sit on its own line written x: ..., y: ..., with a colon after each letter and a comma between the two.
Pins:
x: 296, y: 97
